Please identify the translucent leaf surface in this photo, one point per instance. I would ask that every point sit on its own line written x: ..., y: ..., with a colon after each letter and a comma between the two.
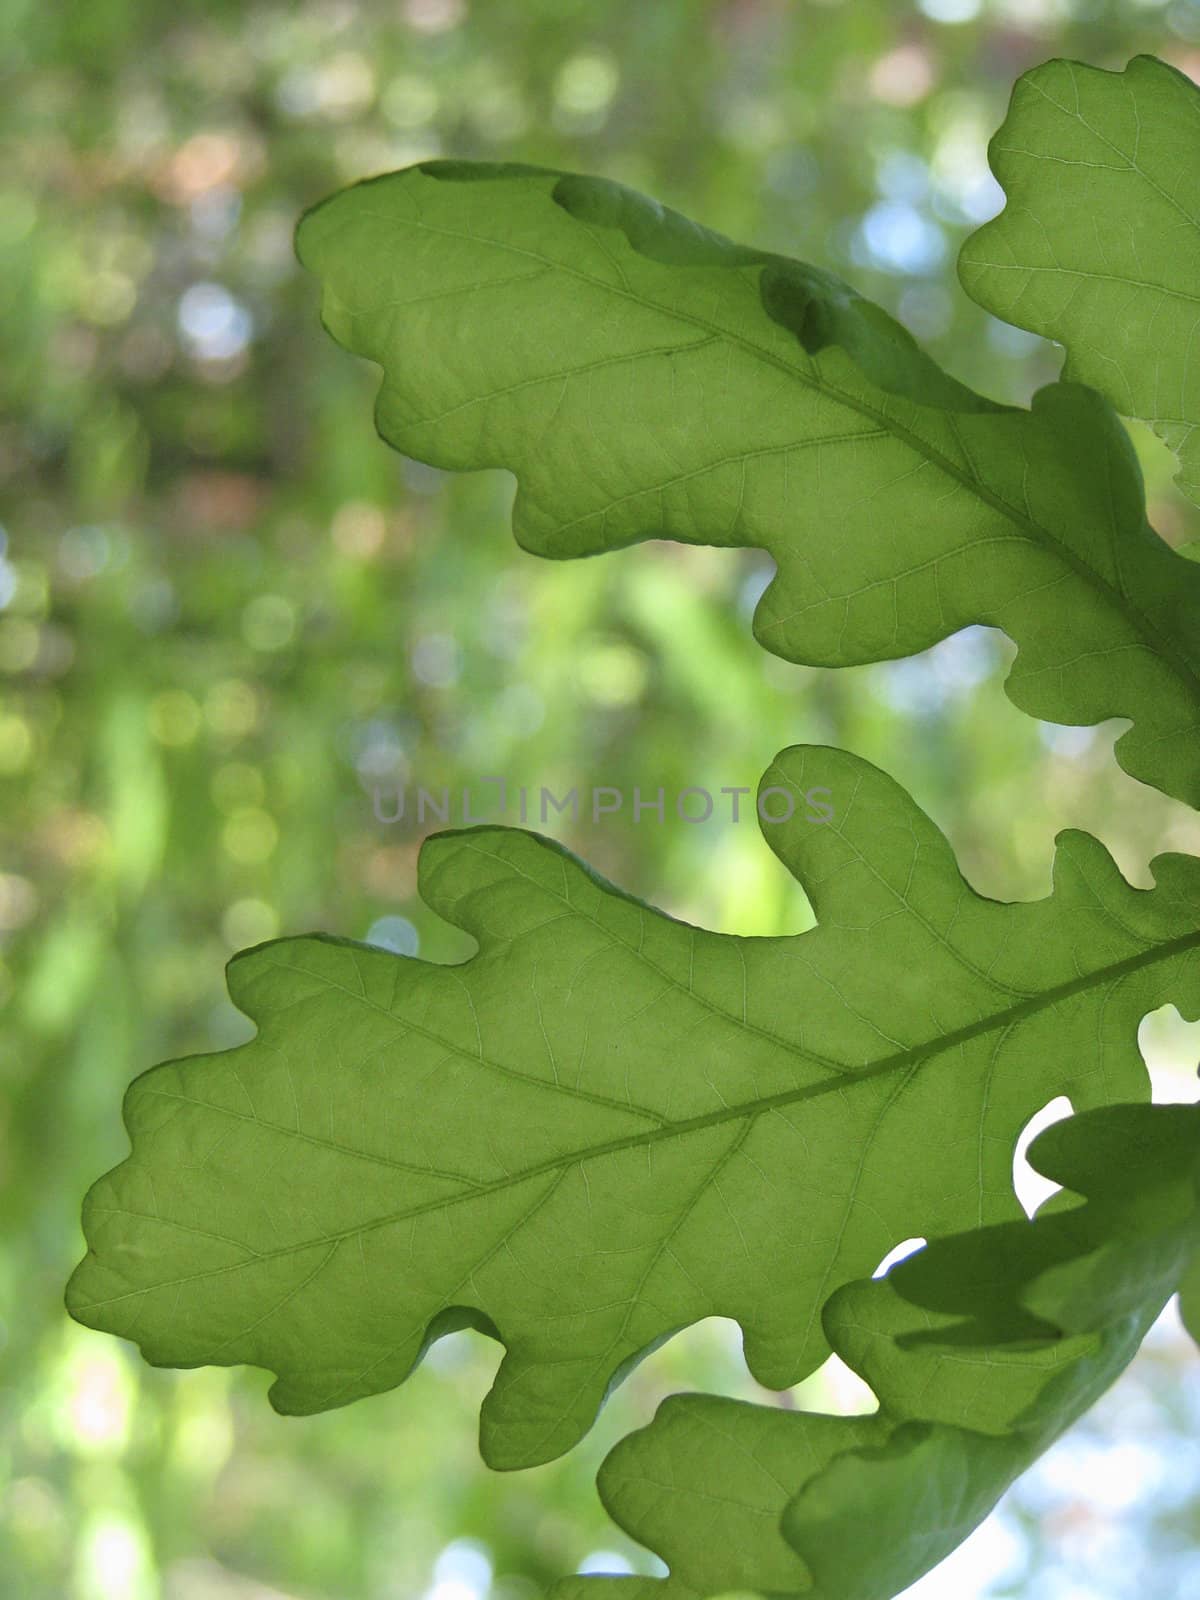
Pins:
x: 644, y: 377
x: 607, y: 1124
x: 1098, y: 246
x: 981, y: 1349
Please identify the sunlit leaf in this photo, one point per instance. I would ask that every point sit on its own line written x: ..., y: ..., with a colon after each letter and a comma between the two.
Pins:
x: 607, y: 1124
x: 644, y: 377
x: 1098, y: 246
x: 981, y: 1349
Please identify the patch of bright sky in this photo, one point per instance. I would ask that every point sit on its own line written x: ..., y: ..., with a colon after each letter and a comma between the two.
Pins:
x: 463, y: 1571
x: 951, y: 11
x: 396, y: 934
x: 609, y: 1561
x: 926, y: 683
x: 896, y: 1254
x: 1031, y: 1187
x: 896, y: 237
x: 992, y: 1555
x: 213, y: 325
x: 1170, y: 1047
x: 902, y: 176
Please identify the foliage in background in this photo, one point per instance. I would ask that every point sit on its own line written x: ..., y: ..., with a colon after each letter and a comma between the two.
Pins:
x: 229, y: 612
x: 640, y: 1125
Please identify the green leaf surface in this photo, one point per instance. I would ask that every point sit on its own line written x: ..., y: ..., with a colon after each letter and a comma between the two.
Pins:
x: 1098, y: 246
x: 982, y: 1348
x: 608, y: 1124
x: 644, y: 377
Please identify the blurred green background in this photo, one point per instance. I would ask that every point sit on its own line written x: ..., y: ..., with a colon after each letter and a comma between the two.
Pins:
x: 228, y: 615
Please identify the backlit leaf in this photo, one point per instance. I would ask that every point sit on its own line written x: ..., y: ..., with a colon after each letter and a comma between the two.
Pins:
x: 607, y: 1124
x: 644, y: 377
x: 1098, y: 246
x: 981, y: 1349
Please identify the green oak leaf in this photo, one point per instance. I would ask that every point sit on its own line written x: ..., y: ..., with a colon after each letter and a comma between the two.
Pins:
x: 981, y: 1348
x: 1098, y: 246
x: 607, y: 1124
x: 644, y: 377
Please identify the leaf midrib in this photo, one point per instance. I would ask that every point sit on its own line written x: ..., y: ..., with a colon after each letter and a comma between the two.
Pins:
x: 752, y: 1109
x: 1142, y: 625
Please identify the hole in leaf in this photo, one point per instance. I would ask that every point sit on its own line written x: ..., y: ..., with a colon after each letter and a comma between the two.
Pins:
x: 1032, y: 1189
x: 1170, y: 1048
x: 906, y: 1247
